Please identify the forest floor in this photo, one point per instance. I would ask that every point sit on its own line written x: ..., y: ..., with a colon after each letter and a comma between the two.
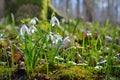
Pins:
x: 66, y: 50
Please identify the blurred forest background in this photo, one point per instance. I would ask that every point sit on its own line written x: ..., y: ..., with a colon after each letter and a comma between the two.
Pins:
x: 90, y: 10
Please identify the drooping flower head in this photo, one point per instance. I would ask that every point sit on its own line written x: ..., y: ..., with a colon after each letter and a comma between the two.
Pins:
x: 54, y: 21
x: 54, y: 37
x: 24, y: 29
x: 32, y: 29
x: 33, y: 21
x: 29, y: 30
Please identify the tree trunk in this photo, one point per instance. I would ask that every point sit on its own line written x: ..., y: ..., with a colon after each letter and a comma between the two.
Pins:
x: 89, y: 4
x: 78, y: 8
x: 51, y: 9
x: 30, y: 8
x: 1, y: 9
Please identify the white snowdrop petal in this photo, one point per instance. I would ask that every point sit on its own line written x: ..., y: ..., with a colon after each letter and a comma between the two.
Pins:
x: 67, y: 39
x: 47, y: 38
x: 98, y: 67
x: 36, y: 18
x: 33, y: 21
x: 54, y: 21
x: 57, y: 21
x: 24, y: 29
x: 54, y: 40
x: 59, y: 37
x: 32, y: 29
x: 54, y: 37
x: 21, y: 31
x: 53, y: 24
x: 89, y: 33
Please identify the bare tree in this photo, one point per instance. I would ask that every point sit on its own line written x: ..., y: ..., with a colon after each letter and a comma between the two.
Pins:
x: 89, y: 5
x: 1, y: 8
x: 78, y: 8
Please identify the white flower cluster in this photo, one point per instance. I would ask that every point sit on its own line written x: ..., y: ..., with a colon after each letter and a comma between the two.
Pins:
x: 54, y: 37
x: 50, y: 37
x: 25, y: 30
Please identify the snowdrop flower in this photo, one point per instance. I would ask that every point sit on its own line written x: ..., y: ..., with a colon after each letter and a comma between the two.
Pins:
x: 98, y: 67
x: 24, y: 29
x: 32, y: 29
x: 107, y: 48
x: 54, y: 41
x: 63, y: 21
x: 59, y: 58
x: 108, y: 39
x: 48, y: 37
x: 67, y: 39
x: 54, y: 21
x: 54, y: 38
x: 72, y: 63
x: 33, y: 21
x: 102, y: 62
x: 88, y: 33
x: 59, y: 37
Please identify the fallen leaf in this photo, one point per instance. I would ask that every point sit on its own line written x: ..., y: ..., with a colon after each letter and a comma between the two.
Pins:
x: 17, y: 55
x: 4, y: 44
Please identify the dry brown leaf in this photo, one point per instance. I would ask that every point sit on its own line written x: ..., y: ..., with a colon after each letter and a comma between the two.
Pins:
x: 4, y: 44
x: 17, y: 55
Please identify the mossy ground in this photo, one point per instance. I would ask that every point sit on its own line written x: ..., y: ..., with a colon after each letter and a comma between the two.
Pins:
x: 64, y: 72
x: 92, y: 47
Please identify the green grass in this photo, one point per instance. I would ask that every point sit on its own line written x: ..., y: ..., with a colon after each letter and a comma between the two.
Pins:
x: 35, y: 47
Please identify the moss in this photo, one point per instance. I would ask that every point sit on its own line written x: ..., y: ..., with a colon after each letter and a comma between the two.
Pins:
x: 44, y: 9
x: 62, y: 72
x: 30, y: 8
x: 74, y: 72
x: 6, y: 71
x: 27, y: 8
x: 42, y: 68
